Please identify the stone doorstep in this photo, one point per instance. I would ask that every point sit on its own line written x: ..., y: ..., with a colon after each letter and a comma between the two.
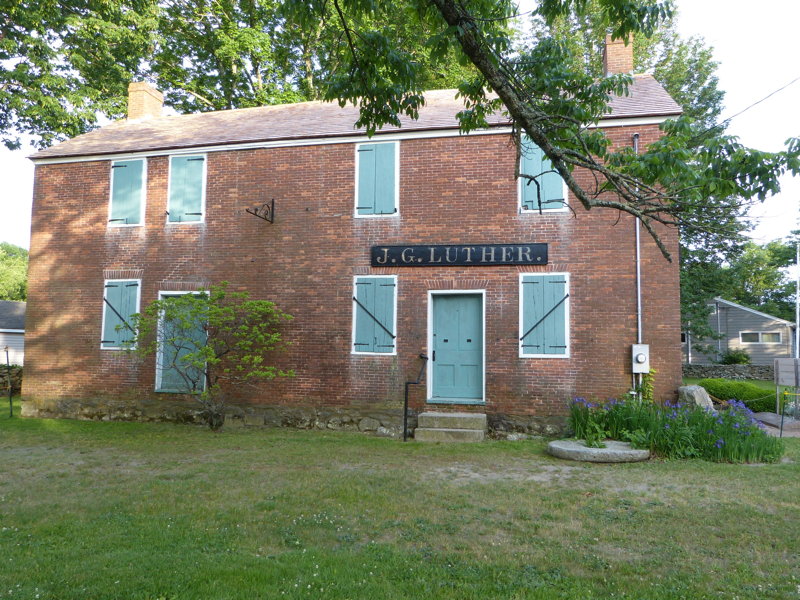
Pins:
x: 454, y: 420
x: 433, y: 434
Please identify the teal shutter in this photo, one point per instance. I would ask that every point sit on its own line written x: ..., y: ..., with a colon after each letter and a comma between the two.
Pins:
x: 177, y: 339
x: 534, y: 162
x: 377, y: 179
x: 119, y: 303
x: 374, y: 303
x: 186, y: 188
x: 544, y: 314
x: 127, y: 186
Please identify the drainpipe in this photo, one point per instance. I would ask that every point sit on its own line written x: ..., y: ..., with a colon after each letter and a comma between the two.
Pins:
x: 637, y: 380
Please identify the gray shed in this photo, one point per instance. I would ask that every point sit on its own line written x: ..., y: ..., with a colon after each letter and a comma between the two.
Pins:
x: 764, y: 337
x: 12, y: 331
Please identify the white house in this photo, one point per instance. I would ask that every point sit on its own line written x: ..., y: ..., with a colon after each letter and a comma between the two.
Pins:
x: 12, y: 331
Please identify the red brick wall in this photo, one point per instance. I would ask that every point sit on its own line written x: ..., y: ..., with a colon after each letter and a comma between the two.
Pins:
x: 452, y: 190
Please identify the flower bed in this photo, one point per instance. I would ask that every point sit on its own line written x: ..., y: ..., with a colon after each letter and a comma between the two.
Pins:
x: 677, y: 430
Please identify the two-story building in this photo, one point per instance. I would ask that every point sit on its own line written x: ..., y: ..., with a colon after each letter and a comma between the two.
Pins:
x: 418, y: 240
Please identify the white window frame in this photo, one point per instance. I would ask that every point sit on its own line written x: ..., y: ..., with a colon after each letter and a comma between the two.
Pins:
x: 355, y: 306
x: 521, y: 181
x: 142, y: 199
x: 396, y: 213
x: 105, y: 308
x: 202, y: 218
x: 567, y: 317
x: 760, y: 337
x: 161, y: 295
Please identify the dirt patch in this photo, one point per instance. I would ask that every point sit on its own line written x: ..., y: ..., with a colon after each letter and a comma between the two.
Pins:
x: 465, y: 473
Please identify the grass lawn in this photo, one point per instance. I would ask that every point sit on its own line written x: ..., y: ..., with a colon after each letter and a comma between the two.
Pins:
x: 155, y: 511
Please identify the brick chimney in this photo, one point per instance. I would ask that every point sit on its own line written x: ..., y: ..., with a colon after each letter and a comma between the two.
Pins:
x: 617, y: 56
x: 144, y: 101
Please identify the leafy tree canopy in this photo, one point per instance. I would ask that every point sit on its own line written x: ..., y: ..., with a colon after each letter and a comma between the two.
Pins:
x: 13, y: 272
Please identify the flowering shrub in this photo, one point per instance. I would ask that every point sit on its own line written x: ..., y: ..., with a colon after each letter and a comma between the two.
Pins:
x: 678, y: 430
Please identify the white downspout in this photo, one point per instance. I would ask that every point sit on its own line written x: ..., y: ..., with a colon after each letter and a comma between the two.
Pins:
x: 637, y: 380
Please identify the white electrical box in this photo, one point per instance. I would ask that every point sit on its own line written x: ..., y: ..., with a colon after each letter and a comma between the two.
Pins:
x: 640, y: 358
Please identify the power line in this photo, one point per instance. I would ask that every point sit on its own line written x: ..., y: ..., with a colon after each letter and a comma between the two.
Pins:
x: 757, y: 102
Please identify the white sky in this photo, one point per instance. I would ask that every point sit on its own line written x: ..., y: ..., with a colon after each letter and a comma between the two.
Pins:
x: 757, y: 52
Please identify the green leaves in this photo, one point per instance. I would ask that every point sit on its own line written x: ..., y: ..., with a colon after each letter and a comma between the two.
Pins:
x: 13, y: 272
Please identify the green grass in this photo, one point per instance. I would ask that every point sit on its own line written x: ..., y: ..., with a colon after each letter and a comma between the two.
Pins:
x: 150, y: 511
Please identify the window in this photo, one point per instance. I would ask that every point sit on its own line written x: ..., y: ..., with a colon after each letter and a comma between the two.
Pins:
x: 683, y: 337
x: 374, y: 315
x: 180, y: 332
x: 120, y: 301
x: 760, y: 337
x: 544, y: 315
x: 126, y: 206
x: 187, y: 189
x: 377, y: 180
x: 551, y: 192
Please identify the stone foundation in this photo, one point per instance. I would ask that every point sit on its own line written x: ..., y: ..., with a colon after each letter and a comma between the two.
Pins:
x: 738, y: 372
x: 379, y: 421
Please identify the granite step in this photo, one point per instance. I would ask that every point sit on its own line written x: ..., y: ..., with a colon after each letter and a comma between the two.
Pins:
x: 434, y: 434
x: 452, y: 420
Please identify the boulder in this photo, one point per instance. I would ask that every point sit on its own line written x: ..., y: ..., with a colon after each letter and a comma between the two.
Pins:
x: 695, y: 394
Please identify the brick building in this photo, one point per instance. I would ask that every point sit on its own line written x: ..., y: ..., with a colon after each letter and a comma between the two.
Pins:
x: 418, y: 240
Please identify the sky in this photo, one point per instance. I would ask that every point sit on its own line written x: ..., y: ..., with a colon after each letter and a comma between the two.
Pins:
x: 756, y: 49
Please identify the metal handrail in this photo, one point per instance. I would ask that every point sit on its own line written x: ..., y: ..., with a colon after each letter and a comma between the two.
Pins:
x: 405, y: 402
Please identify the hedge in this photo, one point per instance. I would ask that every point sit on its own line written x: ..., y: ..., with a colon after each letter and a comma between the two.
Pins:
x: 755, y: 398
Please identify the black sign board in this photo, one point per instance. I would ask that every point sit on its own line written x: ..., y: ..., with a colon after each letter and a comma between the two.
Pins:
x: 473, y: 255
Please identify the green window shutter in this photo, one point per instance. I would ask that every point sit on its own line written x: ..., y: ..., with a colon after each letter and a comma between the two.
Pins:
x: 374, y: 314
x: 544, y: 315
x: 127, y: 187
x: 377, y: 179
x: 534, y: 162
x: 177, y: 340
x: 120, y: 301
x: 365, y: 204
x: 186, y: 188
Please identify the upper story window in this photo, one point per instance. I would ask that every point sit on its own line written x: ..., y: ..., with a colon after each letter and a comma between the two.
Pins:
x: 760, y: 337
x: 187, y: 189
x: 126, y: 206
x: 377, y: 179
x: 551, y: 192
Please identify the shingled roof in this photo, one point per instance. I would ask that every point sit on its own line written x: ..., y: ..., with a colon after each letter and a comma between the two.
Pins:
x: 309, y: 120
x: 12, y: 315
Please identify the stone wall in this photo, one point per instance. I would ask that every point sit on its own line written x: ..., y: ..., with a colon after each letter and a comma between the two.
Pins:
x: 764, y: 372
x: 385, y: 422
x: 16, y: 379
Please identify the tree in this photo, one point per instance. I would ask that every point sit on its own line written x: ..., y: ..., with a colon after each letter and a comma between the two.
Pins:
x: 210, y: 342
x: 675, y: 182
x: 64, y: 64
x: 13, y: 272
x: 758, y: 278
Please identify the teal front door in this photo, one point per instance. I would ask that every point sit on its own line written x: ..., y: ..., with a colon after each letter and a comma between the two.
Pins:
x: 457, y: 348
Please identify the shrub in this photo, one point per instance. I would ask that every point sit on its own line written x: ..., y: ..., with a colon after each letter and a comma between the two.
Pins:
x: 757, y: 399
x: 679, y: 431
x: 735, y: 357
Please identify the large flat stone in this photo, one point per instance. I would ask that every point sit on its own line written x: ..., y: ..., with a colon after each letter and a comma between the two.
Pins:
x: 424, y: 434
x: 774, y: 420
x: 452, y: 420
x: 614, y: 452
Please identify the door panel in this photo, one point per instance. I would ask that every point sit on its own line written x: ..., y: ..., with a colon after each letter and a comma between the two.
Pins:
x: 458, y: 347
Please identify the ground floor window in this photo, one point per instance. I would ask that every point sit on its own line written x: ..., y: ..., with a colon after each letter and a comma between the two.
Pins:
x: 760, y: 337
x: 544, y: 315
x: 374, y: 315
x: 120, y: 301
x: 181, y: 334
